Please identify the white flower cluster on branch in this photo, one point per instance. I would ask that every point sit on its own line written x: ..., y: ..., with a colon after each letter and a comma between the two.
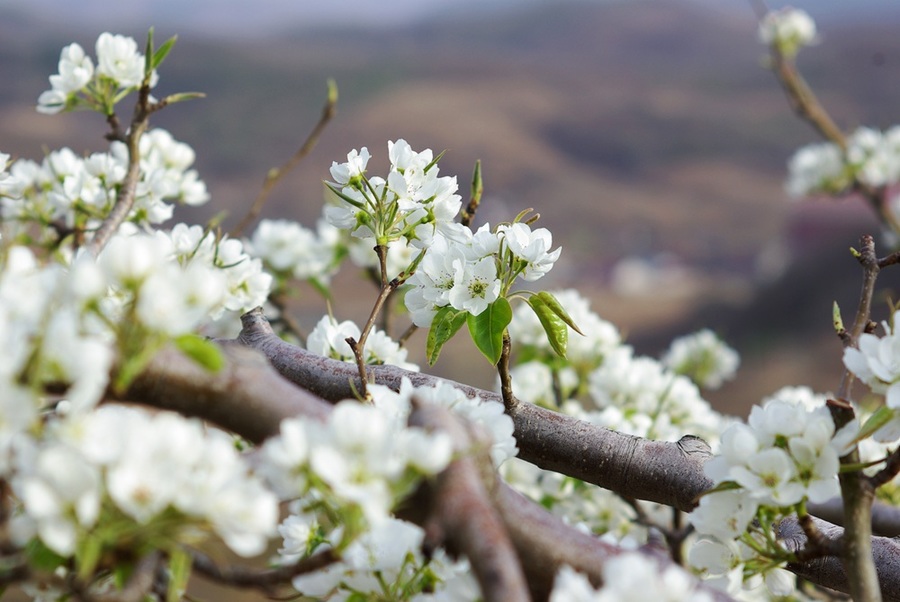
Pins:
x: 398, y: 490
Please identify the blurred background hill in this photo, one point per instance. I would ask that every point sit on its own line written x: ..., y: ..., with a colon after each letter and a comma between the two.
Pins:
x: 647, y: 133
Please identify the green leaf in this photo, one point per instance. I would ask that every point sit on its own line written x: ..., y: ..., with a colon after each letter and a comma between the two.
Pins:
x: 148, y: 54
x: 882, y: 416
x: 87, y: 556
x: 42, y: 558
x: 202, y: 351
x: 163, y: 51
x: 447, y: 322
x: 337, y: 191
x: 487, y: 328
x: 556, y: 329
x: 557, y: 308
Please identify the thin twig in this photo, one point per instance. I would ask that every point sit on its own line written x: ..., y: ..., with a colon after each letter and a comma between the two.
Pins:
x: 128, y: 189
x: 263, y: 579
x: 870, y: 264
x: 856, y: 489
x: 276, y: 174
x: 886, y: 475
x: 509, y: 400
x: 387, y: 288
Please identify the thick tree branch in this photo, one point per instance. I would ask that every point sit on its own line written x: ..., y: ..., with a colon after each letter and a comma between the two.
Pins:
x: 246, y: 396
x: 462, y: 511
x: 829, y: 572
x: 251, y: 401
x: 658, y: 471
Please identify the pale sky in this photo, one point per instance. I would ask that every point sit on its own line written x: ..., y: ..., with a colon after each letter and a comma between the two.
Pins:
x: 250, y: 17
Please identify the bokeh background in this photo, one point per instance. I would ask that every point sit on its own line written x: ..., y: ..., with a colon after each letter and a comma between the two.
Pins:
x: 648, y: 134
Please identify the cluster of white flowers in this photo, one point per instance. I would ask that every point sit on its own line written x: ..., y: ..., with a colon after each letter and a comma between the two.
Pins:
x: 872, y: 157
x: 703, y: 357
x: 364, y: 459
x: 638, y: 395
x: 629, y: 577
x: 289, y: 249
x: 412, y: 202
x: 120, y: 68
x: 588, y: 508
x: 787, y: 453
x: 123, y: 462
x: 48, y: 339
x: 386, y: 559
x: 789, y: 28
x: 468, y: 271
x: 179, y: 280
x: 80, y: 192
x: 366, y: 455
x: 722, y: 565
x: 359, y: 466
x: 329, y: 339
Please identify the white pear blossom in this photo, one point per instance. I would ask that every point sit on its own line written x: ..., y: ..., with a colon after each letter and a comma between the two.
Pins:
x: 724, y: 514
x: 877, y: 362
x: 354, y: 168
x: 532, y: 247
x: 475, y: 285
x: 411, y: 203
x: 118, y: 59
x: 75, y: 70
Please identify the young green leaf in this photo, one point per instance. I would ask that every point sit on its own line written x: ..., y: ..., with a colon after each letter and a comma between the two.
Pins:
x: 557, y: 308
x: 554, y: 326
x: 161, y: 53
x: 200, y: 350
x: 882, y: 416
x: 446, y: 323
x: 87, y: 555
x: 487, y: 328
